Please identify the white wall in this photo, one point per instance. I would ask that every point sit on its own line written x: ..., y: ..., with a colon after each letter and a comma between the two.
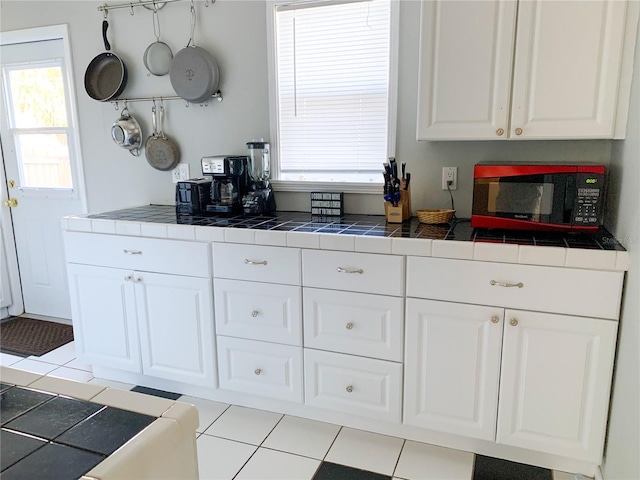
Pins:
x: 234, y: 31
x: 622, y: 455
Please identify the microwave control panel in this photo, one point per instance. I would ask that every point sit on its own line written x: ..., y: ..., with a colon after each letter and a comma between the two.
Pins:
x: 588, y: 206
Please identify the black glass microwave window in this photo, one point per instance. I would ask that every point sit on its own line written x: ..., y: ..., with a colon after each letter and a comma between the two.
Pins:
x: 533, y: 198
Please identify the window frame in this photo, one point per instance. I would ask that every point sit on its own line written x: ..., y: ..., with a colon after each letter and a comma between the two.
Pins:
x: 310, y: 186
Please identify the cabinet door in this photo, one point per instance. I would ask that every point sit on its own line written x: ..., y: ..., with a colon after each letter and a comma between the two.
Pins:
x: 566, y: 69
x: 554, y: 390
x: 452, y: 367
x: 466, y: 52
x: 103, y: 309
x: 175, y: 315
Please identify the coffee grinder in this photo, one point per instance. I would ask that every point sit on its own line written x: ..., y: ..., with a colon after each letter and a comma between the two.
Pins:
x: 260, y: 198
x: 230, y: 181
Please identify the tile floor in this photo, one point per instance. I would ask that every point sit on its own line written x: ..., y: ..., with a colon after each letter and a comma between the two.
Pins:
x: 246, y: 444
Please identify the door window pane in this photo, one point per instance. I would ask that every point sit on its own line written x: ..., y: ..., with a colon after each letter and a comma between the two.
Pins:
x: 44, y: 160
x: 37, y: 96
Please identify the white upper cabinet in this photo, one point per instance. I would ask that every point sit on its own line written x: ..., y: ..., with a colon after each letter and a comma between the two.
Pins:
x: 557, y: 72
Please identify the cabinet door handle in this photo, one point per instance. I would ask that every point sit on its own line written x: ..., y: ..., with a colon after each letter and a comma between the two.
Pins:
x: 254, y: 314
x: 500, y: 132
x: 350, y: 270
x: 495, y: 319
x: 518, y: 131
x: 513, y: 322
x: 137, y: 280
x: 128, y: 278
x: 504, y: 284
x: 258, y: 371
x: 349, y: 326
x: 132, y: 252
x: 349, y: 389
x: 254, y: 262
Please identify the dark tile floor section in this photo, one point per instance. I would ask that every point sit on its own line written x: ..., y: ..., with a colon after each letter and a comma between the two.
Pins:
x: 16, y: 401
x: 156, y: 393
x: 333, y: 471
x: 53, y: 462
x: 487, y: 468
x: 367, y: 225
x: 4, y: 386
x: 105, y: 431
x: 15, y: 447
x: 54, y: 417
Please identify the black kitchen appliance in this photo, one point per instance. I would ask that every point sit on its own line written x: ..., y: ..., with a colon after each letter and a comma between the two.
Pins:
x: 230, y: 181
x: 260, y: 198
x: 193, y: 196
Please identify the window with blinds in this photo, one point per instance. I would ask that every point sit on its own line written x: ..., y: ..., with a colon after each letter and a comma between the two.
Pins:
x: 332, y: 76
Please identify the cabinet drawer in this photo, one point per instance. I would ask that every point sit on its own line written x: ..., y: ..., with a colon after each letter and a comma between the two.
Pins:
x: 257, y: 263
x: 138, y: 253
x: 258, y: 311
x: 355, y: 385
x: 356, y: 272
x: 591, y: 293
x: 356, y: 323
x: 260, y: 368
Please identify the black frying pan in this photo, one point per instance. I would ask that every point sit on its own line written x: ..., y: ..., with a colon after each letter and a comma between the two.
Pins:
x: 106, y: 75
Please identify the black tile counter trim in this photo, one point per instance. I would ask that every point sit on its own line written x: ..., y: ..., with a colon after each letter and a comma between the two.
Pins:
x: 49, y: 436
x: 366, y: 225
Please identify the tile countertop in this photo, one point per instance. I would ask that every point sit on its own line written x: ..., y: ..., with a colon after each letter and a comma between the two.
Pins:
x: 364, y: 233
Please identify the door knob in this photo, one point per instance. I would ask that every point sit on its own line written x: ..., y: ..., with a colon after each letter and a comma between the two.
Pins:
x: 12, y: 202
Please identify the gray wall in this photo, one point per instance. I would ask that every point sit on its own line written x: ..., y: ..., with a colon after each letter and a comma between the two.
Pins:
x: 622, y: 455
x: 234, y: 31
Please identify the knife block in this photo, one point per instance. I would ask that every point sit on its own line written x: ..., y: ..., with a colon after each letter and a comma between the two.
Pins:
x: 403, y: 211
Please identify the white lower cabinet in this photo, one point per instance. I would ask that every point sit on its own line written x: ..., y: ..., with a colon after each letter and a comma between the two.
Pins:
x: 555, y: 381
x: 156, y: 324
x: 260, y: 368
x: 356, y: 385
x: 452, y: 365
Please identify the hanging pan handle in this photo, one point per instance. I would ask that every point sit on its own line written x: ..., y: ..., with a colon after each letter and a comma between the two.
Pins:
x: 105, y: 26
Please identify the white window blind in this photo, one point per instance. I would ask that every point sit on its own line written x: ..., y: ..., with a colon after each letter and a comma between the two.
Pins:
x: 333, y: 90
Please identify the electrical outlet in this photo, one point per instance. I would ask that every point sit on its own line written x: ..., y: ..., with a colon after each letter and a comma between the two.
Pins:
x: 181, y: 172
x: 450, y: 174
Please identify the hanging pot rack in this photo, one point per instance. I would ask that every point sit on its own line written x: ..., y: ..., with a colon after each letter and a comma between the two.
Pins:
x: 155, y: 4
x: 116, y: 101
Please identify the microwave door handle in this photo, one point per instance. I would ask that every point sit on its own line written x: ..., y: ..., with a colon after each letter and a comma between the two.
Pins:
x: 569, y: 199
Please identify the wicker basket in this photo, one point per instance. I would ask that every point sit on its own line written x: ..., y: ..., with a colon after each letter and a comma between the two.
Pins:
x: 435, y: 216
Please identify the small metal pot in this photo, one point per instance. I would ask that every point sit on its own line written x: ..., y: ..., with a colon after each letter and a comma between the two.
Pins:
x: 126, y: 132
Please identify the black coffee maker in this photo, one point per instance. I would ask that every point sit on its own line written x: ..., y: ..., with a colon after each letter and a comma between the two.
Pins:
x: 260, y: 198
x: 230, y: 180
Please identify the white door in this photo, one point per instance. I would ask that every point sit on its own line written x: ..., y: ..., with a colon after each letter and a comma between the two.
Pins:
x: 453, y: 361
x: 105, y: 329
x: 566, y: 68
x: 175, y: 318
x: 554, y: 389
x: 41, y: 161
x: 466, y: 54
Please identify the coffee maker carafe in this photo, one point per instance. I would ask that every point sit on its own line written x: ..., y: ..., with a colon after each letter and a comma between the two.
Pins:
x: 230, y: 180
x: 260, y: 198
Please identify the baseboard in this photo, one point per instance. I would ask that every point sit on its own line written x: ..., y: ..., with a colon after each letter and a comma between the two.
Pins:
x: 35, y: 316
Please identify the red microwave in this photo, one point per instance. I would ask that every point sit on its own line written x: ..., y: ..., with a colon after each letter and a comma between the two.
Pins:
x: 567, y: 198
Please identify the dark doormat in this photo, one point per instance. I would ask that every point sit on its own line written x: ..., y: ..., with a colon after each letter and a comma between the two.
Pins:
x: 28, y: 336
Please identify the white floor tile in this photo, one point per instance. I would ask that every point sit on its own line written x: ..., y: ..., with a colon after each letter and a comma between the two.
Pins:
x: 78, y: 365
x: 272, y: 465
x: 112, y: 383
x: 365, y: 450
x: 558, y: 475
x: 208, y: 410
x: 302, y: 437
x: 59, y: 356
x: 220, y: 459
x: 6, y: 359
x: 71, y: 374
x: 244, y: 425
x: 34, y: 366
x: 420, y: 461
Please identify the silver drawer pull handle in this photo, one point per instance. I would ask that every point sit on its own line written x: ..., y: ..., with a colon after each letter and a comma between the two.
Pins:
x: 254, y: 262
x: 349, y: 326
x: 350, y: 270
x: 349, y: 388
x: 502, y: 284
x: 254, y: 314
x: 258, y: 371
x: 132, y: 252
